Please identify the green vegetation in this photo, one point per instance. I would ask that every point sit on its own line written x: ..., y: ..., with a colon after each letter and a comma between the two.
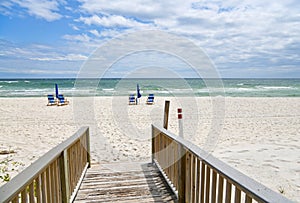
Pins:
x: 281, y: 190
x: 7, y: 165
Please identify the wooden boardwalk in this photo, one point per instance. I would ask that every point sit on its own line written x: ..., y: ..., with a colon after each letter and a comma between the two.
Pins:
x: 124, y: 182
x: 197, y: 176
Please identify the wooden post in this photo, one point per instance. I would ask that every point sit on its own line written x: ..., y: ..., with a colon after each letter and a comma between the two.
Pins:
x: 166, y: 115
x: 88, y: 148
x: 153, y: 145
x: 181, y: 174
x: 180, y: 122
x: 64, y: 172
x: 181, y: 163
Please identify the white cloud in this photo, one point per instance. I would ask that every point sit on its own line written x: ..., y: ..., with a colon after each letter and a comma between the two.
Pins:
x: 95, y: 32
x: 111, y: 21
x: 37, y: 52
x: 120, y: 7
x: 45, y: 9
x: 110, y: 33
x: 37, y: 70
x: 231, y: 32
x: 80, y: 38
x: 69, y: 57
x: 74, y: 27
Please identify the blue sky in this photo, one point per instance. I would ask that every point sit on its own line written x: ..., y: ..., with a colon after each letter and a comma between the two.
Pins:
x: 53, y: 38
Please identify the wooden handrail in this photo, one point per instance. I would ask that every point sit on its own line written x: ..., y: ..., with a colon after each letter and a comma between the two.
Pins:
x: 54, y: 176
x: 197, y: 176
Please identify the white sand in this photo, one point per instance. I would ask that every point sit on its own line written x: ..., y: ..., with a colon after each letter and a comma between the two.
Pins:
x: 258, y: 136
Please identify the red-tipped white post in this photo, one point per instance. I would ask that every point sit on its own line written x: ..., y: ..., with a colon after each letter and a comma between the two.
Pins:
x: 180, y: 122
x: 182, y: 162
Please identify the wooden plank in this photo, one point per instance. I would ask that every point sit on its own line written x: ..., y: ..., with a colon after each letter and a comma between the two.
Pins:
x: 31, y: 192
x: 38, y: 189
x: 16, y: 199
x: 130, y: 186
x: 176, y: 159
x: 214, y: 186
x: 202, y: 181
x: 117, y: 176
x: 64, y: 174
x: 56, y: 179
x: 68, y: 165
x: 88, y: 147
x: 164, y: 150
x: 181, y: 174
x: 153, y: 144
x: 207, y: 184
x: 24, y: 196
x: 220, y: 189
x: 194, y: 176
x: 99, y: 183
x: 160, y: 159
x: 198, y: 180
x: 43, y: 187
x: 248, y: 199
x: 167, y: 157
x: 52, y: 182
x: 74, y: 165
x: 228, y: 192
x: 172, y: 162
x: 237, y: 196
x: 188, y: 178
x: 48, y: 185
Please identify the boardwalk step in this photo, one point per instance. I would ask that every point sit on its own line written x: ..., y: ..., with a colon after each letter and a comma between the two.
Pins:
x: 141, y: 184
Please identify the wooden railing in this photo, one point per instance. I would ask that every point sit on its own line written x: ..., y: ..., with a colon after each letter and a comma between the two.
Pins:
x: 55, y: 176
x: 197, y: 176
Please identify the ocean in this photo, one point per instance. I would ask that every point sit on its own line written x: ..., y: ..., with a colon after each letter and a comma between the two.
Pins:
x: 160, y: 87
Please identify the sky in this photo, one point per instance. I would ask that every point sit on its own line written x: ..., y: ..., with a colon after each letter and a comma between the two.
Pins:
x: 243, y: 39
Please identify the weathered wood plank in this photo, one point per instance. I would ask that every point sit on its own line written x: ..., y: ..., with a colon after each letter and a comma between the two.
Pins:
x: 220, y: 189
x: 143, y: 184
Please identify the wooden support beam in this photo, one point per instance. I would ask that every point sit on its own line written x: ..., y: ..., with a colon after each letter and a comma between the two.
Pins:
x: 64, y: 174
x: 166, y: 114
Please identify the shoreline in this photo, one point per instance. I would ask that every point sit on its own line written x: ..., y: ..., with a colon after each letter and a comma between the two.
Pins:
x: 259, y: 135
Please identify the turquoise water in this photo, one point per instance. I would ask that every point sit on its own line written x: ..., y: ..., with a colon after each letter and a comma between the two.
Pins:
x: 160, y: 87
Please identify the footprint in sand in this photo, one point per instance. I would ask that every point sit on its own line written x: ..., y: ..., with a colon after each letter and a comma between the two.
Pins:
x: 279, y: 148
x: 268, y: 161
x: 243, y: 151
x: 261, y: 150
x: 282, y: 160
x: 270, y: 165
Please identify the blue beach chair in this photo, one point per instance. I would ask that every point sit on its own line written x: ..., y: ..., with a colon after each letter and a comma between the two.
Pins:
x: 150, y: 99
x: 61, y: 100
x: 51, y: 100
x: 132, y: 99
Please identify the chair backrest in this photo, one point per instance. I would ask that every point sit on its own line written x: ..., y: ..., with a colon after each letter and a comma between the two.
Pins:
x: 151, y: 96
x: 61, y: 100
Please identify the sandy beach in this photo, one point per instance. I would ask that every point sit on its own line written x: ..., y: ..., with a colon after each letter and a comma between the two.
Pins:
x: 258, y: 136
